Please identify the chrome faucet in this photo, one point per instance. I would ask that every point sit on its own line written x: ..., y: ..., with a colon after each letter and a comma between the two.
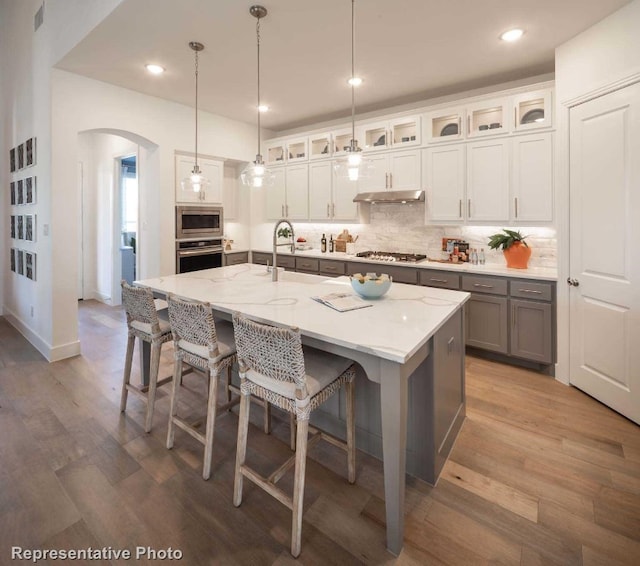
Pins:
x: 274, y: 268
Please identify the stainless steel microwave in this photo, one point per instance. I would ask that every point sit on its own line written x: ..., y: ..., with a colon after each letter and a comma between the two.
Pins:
x: 198, y: 222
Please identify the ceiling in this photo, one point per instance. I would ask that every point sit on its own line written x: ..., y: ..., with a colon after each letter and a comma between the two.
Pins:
x: 406, y: 51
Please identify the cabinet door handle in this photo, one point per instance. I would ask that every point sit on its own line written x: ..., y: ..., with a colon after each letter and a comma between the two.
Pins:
x: 438, y: 280
x: 530, y: 291
x: 516, y: 199
x: 287, y: 210
x: 282, y: 208
x: 483, y: 286
x: 328, y: 268
x: 328, y: 213
x: 513, y: 316
x: 450, y: 344
x: 469, y: 125
x: 333, y: 209
x: 515, y: 118
x: 391, y: 180
x: 386, y: 180
x: 460, y: 209
x: 468, y: 208
x: 459, y: 126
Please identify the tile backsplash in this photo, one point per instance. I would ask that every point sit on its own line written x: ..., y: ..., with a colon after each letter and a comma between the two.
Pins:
x: 401, y: 228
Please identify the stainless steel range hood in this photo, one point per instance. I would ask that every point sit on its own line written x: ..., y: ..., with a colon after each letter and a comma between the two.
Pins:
x: 390, y: 196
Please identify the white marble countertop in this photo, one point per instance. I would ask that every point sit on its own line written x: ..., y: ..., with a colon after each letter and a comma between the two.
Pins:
x: 542, y: 273
x: 393, y: 328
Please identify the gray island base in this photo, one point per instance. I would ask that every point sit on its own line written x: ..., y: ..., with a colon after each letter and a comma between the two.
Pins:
x: 410, y: 401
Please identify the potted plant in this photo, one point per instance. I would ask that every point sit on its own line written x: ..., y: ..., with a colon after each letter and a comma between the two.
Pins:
x: 284, y: 233
x: 514, y: 247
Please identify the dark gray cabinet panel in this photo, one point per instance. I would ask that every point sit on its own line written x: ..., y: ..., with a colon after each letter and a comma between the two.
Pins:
x: 489, y: 285
x: 398, y: 274
x: 531, y: 330
x: 332, y: 268
x: 261, y: 258
x: 307, y: 264
x: 442, y: 279
x: 264, y: 258
x: 531, y: 290
x: 487, y: 323
x: 236, y: 258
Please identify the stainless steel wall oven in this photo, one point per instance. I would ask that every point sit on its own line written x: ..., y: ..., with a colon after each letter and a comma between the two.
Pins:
x: 193, y: 255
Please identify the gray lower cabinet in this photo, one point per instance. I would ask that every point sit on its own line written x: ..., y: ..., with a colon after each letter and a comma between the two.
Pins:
x: 398, y: 274
x: 487, y: 323
x: 442, y: 279
x: 332, y: 268
x: 265, y: 258
x: 307, y: 265
x: 235, y: 258
x: 531, y: 330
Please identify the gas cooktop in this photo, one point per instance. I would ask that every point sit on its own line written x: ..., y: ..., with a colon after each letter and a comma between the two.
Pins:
x: 392, y: 256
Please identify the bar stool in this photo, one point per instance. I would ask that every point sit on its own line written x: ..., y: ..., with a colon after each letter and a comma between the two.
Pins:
x: 209, y: 347
x: 143, y: 323
x: 274, y: 367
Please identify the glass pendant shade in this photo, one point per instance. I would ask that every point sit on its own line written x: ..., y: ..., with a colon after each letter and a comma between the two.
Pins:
x: 257, y: 175
x: 195, y: 181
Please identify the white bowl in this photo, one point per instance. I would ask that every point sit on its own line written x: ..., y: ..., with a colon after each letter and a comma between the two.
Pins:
x: 371, y: 285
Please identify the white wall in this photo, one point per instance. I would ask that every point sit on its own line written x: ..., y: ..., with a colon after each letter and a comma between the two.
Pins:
x: 601, y: 58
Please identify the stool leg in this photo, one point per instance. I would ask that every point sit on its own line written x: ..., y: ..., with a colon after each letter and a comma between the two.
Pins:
x: 298, y: 486
x: 241, y: 450
x: 351, y: 431
x: 212, y: 405
x: 154, y: 367
x: 126, y: 378
x: 267, y: 417
x: 173, y: 406
x: 228, y: 384
x: 292, y: 431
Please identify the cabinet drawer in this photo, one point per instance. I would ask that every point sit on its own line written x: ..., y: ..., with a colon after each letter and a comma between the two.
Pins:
x: 530, y: 290
x: 286, y: 261
x: 334, y: 268
x: 261, y: 258
x: 235, y: 259
x: 442, y: 279
x: 306, y: 264
x: 398, y: 274
x: 490, y: 285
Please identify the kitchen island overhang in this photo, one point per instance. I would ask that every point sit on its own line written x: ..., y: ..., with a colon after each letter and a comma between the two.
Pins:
x: 409, y: 344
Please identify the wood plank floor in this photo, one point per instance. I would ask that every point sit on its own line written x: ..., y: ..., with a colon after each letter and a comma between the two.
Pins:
x: 540, y: 473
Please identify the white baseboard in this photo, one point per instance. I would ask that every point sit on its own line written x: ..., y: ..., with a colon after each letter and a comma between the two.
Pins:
x: 51, y: 354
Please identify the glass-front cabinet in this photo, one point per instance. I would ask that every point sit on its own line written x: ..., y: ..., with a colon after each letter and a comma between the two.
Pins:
x: 397, y: 133
x: 297, y: 150
x: 342, y: 140
x: 532, y: 110
x: 274, y: 153
x: 445, y: 125
x: 320, y: 145
x: 488, y: 117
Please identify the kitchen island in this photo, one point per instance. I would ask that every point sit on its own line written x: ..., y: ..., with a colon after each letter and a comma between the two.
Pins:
x: 410, y: 400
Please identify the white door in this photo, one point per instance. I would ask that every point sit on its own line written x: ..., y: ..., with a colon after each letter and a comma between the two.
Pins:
x: 378, y: 176
x: 444, y: 173
x: 212, y: 169
x: 605, y: 249
x: 297, y: 205
x: 276, y: 195
x: 532, y: 178
x: 343, y: 207
x: 320, y: 177
x: 488, y: 181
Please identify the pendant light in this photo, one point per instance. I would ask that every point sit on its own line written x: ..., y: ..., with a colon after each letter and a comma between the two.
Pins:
x: 256, y: 173
x: 196, y: 181
x: 353, y: 166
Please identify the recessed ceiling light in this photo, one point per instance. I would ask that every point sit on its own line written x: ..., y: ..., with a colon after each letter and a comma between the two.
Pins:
x: 263, y: 108
x: 512, y: 35
x: 355, y: 81
x: 154, y: 69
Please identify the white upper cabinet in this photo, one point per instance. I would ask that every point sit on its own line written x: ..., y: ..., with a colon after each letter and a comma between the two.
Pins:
x: 488, y: 117
x: 532, y: 110
x: 289, y: 196
x: 444, y: 173
x: 396, y: 133
x: 320, y: 145
x: 331, y: 197
x: 275, y: 152
x: 296, y: 150
x: 212, y: 169
x: 532, y: 178
x: 488, y: 181
x: 230, y: 186
x: 444, y: 125
x: 342, y: 140
x: 396, y: 170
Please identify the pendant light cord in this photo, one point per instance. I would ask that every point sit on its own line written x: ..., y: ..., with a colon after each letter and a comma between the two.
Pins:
x: 353, y: 74
x: 258, y: 52
x: 196, y: 159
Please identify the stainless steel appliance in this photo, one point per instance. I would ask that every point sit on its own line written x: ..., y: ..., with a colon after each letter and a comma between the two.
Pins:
x: 392, y: 256
x: 193, y: 255
x: 198, y: 222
